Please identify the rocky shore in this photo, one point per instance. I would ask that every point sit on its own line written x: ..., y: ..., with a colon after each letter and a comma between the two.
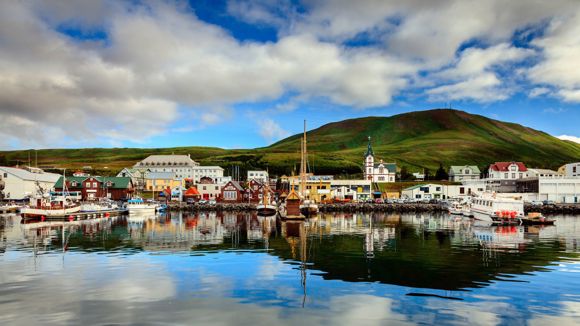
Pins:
x: 566, y: 209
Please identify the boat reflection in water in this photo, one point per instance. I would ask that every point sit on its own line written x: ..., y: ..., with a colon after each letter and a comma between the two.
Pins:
x: 331, y: 267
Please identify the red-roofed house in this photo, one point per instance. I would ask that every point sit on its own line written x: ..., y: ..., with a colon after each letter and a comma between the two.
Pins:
x: 507, y: 171
x: 232, y: 192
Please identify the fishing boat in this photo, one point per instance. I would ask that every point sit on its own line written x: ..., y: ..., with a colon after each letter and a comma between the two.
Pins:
x: 43, y: 206
x: 308, y: 207
x: 139, y: 206
x: 265, y: 207
x: 491, y: 207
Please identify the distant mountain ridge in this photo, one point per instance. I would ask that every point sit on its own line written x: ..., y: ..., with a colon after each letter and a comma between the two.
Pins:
x: 420, y: 139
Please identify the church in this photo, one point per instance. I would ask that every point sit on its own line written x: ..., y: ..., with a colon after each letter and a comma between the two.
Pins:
x: 378, y: 172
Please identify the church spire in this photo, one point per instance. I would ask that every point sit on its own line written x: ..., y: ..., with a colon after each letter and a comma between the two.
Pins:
x: 369, y: 149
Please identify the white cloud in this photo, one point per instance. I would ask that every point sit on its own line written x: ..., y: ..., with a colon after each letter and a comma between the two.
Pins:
x: 570, y: 138
x: 561, y: 49
x: 539, y: 91
x: 473, y: 75
x: 271, y: 131
x: 160, y: 62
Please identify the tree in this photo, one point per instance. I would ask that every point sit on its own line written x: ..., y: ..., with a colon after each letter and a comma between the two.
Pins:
x: 427, y: 174
x: 405, y: 175
x: 441, y: 174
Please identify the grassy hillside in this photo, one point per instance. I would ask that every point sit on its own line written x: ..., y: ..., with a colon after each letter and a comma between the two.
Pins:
x: 422, y: 139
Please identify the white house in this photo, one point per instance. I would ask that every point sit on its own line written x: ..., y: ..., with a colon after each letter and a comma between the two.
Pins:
x: 424, y: 191
x: 378, y: 172
x: 458, y: 173
x: 438, y: 191
x: 507, y: 171
x: 360, y: 189
x: 136, y: 175
x: 570, y: 170
x: 216, y: 173
x: 181, y: 165
x: 20, y: 184
x: 258, y: 175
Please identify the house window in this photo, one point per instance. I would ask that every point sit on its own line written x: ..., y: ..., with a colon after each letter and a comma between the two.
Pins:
x: 506, y: 175
x: 6, y: 174
x: 437, y: 188
x: 522, y: 175
x: 461, y: 190
x: 381, y: 178
x: 573, y: 170
x: 513, y: 175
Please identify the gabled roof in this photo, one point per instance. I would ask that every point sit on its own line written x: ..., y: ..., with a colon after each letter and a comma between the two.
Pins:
x: 29, y: 176
x: 504, y: 166
x: 457, y: 168
x: 236, y: 185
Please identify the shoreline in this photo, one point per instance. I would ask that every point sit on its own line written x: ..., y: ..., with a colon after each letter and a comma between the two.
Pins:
x: 571, y: 209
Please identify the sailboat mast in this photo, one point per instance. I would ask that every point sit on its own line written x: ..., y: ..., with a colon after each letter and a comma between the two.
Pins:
x: 303, y: 164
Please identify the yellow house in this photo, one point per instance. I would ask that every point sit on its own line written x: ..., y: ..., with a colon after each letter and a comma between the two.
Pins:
x: 158, y: 181
x: 316, y: 190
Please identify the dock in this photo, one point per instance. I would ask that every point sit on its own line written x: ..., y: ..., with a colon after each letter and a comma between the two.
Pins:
x: 9, y: 209
x: 79, y: 216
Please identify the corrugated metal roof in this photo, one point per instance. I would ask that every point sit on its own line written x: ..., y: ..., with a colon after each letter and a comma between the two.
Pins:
x: 27, y: 175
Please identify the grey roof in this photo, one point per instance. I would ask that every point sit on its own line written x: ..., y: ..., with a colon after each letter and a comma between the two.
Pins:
x: 168, y: 160
x: 392, y: 167
x: 27, y: 175
x: 160, y: 175
x: 454, y: 169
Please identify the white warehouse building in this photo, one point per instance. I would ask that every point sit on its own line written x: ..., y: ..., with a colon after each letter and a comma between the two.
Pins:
x: 20, y: 183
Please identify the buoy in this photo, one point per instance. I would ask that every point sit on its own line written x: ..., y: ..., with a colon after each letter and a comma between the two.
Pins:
x: 42, y: 218
x: 106, y: 214
x: 513, y: 214
x: 71, y: 218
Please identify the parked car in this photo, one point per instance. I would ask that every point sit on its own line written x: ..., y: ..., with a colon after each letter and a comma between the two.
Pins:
x: 212, y: 202
x: 379, y: 201
x: 548, y: 202
x: 202, y: 202
x: 537, y: 203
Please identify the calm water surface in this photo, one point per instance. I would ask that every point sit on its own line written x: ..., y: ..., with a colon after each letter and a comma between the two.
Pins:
x: 353, y: 269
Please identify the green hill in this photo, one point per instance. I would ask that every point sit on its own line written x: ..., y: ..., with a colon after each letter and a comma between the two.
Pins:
x: 421, y: 139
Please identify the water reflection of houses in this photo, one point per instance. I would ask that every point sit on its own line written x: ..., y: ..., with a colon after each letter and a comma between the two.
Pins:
x: 187, y: 231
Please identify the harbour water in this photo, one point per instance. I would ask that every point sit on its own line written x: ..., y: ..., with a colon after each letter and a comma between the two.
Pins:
x: 242, y: 269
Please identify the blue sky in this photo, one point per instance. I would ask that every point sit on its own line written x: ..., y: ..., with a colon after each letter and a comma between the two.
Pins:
x: 242, y: 74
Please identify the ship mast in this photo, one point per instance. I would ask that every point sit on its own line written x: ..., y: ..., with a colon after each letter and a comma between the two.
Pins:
x: 303, y: 164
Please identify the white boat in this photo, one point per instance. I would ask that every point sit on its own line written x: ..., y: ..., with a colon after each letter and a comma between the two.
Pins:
x: 43, y: 208
x: 99, y: 206
x: 308, y: 207
x: 455, y: 208
x: 139, y: 206
x: 493, y: 207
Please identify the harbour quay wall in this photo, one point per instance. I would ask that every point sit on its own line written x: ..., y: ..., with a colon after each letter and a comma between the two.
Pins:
x: 368, y: 207
x: 566, y: 209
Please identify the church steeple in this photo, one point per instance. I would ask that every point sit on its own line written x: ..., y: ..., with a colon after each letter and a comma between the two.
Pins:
x: 369, y: 149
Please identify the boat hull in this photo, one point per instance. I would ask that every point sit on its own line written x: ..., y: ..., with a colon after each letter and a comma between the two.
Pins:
x: 267, y: 210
